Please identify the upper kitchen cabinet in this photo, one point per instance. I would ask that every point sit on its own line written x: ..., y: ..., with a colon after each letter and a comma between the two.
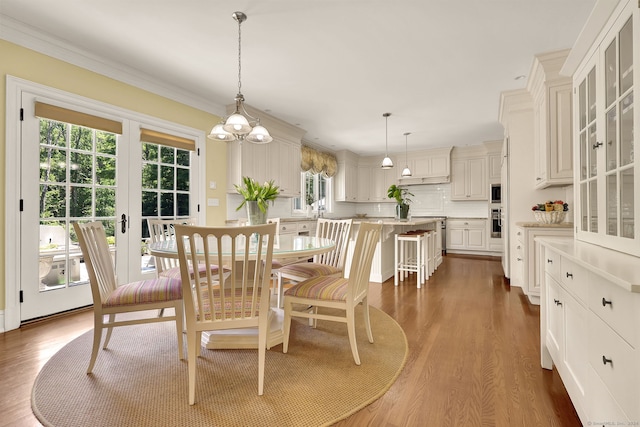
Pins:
x: 494, y: 160
x: 346, y: 179
x: 469, y: 173
x: 607, y: 179
x: 427, y: 166
x: 373, y: 181
x: 278, y: 160
x: 551, y: 94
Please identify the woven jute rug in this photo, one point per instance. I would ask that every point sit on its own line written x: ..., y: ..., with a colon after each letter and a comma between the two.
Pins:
x: 139, y: 380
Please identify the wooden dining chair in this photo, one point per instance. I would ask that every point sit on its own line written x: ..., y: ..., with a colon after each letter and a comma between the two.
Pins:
x: 111, y: 298
x: 337, y: 291
x: 323, y: 264
x: 161, y: 230
x: 243, y: 302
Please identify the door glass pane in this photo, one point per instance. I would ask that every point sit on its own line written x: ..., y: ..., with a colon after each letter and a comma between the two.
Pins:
x: 77, y: 183
x: 626, y: 57
x: 612, y: 205
x: 583, y: 155
x: 591, y: 90
x: 582, y: 104
x: 593, y: 151
x: 584, y: 223
x: 611, y: 74
x: 626, y: 130
x: 627, y: 203
x: 612, y: 139
x: 166, y: 186
x: 593, y: 206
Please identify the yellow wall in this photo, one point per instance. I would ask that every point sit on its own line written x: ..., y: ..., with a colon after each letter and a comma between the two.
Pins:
x: 29, y: 65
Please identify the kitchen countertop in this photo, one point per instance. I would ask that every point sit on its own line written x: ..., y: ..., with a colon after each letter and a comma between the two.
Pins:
x: 543, y: 225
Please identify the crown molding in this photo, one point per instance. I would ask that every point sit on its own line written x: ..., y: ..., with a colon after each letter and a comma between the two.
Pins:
x: 31, y: 38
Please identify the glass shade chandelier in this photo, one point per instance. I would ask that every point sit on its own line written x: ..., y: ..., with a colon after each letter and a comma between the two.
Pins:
x: 387, y: 163
x: 240, y: 125
x: 406, y: 172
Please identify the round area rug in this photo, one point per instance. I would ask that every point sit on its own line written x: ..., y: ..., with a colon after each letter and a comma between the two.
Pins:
x: 139, y: 380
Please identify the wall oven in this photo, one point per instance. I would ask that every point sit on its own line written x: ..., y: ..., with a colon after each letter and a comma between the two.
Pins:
x: 496, y: 224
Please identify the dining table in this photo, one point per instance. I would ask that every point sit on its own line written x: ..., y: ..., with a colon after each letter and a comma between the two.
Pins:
x: 286, y: 248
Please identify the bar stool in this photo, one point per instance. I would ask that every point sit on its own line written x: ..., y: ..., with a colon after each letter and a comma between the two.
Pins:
x: 410, y: 259
x: 429, y: 252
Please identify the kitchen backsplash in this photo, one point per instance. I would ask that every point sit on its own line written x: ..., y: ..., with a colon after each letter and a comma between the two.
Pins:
x: 428, y: 200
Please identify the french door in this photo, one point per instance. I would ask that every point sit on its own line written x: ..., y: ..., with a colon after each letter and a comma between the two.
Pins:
x: 78, y: 165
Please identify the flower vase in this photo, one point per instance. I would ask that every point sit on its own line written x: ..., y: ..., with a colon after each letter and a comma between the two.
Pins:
x: 402, y: 212
x: 254, y: 214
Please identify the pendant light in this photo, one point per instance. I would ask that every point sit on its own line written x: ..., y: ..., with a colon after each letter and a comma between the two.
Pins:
x: 387, y: 163
x: 240, y: 125
x: 406, y: 172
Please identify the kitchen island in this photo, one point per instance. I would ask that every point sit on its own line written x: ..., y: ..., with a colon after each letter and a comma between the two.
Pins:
x: 382, y: 267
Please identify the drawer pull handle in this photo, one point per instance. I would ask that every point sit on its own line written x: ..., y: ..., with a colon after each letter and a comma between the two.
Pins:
x: 557, y: 302
x: 569, y: 274
x: 549, y: 261
x: 605, y: 302
x: 605, y: 360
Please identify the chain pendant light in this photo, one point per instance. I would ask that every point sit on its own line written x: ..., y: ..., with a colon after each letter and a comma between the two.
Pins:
x: 406, y: 172
x: 387, y: 163
x: 240, y: 125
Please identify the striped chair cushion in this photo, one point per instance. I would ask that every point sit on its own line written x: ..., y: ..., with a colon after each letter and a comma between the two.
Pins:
x: 238, y: 310
x: 306, y: 270
x: 145, y: 292
x: 174, y: 273
x: 321, y: 287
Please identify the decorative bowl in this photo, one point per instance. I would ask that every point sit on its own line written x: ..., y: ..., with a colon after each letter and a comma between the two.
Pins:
x: 549, y: 217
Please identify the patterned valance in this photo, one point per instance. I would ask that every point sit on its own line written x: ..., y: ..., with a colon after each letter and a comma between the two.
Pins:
x: 318, y: 162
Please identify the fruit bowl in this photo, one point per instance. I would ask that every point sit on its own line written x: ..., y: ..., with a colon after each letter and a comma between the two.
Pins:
x: 549, y: 217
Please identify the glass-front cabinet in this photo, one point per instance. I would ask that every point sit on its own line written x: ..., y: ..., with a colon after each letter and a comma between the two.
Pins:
x: 605, y: 120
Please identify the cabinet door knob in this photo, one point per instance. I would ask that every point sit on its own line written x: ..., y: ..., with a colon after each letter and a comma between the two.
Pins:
x: 605, y: 360
x: 549, y: 261
x: 569, y: 274
x: 605, y: 302
x: 597, y: 145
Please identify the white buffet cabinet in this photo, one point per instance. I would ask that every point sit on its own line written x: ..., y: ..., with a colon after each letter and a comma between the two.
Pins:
x: 590, y: 328
x: 382, y: 267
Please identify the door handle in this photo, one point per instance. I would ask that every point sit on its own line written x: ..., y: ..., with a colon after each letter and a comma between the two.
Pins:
x: 123, y: 223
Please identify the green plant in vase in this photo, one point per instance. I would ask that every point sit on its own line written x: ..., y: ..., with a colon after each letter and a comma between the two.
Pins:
x: 257, y: 197
x: 403, y: 199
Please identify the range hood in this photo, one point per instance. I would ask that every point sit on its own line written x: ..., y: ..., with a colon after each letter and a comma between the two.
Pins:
x: 429, y: 167
x: 418, y: 180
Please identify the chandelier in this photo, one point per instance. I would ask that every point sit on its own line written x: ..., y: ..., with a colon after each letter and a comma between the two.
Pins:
x: 406, y: 172
x: 387, y: 163
x: 240, y: 125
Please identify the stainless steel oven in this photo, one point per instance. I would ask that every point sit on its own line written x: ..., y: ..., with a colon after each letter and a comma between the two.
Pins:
x: 496, y: 224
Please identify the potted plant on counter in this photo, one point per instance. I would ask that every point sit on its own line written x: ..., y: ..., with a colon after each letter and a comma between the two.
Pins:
x: 257, y: 197
x: 402, y: 196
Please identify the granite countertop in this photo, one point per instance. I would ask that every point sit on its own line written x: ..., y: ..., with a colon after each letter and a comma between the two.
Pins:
x: 543, y: 225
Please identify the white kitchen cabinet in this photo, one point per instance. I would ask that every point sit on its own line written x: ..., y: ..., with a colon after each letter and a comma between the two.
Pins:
x: 464, y: 235
x: 469, y: 177
x: 529, y: 278
x: 278, y: 160
x: 346, y: 179
x: 373, y: 181
x: 427, y: 166
x: 553, y: 136
x: 607, y: 177
x: 590, y: 328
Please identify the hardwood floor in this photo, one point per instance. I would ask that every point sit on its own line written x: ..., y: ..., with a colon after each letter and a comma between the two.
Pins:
x: 474, y: 357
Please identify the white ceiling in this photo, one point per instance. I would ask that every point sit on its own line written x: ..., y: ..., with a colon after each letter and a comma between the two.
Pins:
x: 331, y: 67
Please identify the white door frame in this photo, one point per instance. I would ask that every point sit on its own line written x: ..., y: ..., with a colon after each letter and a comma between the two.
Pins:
x: 10, y: 319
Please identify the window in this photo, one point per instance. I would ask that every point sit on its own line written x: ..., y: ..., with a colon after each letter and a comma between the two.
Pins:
x: 315, y: 192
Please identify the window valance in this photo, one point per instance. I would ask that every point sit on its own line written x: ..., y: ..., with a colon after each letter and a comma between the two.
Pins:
x: 318, y: 162
x: 60, y: 114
